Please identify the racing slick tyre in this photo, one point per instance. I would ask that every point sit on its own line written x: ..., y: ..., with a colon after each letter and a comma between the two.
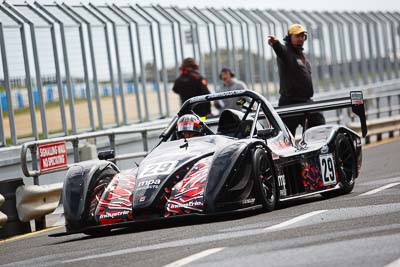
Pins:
x: 346, y: 164
x: 264, y: 184
x: 95, y: 192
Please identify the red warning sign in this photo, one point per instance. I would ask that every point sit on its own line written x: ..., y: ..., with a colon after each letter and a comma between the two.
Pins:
x: 53, y: 156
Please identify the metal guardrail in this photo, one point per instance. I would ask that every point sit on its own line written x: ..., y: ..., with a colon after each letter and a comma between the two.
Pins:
x: 378, y: 127
x: 124, y: 58
x: 33, y: 201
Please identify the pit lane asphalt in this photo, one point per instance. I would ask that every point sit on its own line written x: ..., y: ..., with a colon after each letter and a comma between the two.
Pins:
x: 348, y: 230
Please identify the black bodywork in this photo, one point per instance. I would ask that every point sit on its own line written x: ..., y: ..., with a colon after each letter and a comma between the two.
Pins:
x: 217, y: 172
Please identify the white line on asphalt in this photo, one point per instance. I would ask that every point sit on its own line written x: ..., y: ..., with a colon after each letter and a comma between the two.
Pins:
x: 197, y: 240
x: 193, y: 257
x: 379, y: 189
x: 380, y: 182
x: 395, y: 263
x: 294, y: 220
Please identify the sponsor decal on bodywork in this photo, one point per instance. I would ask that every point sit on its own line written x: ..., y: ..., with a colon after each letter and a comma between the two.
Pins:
x: 188, y: 195
x: 311, y: 177
x: 159, y: 168
x: 112, y: 215
x: 115, y: 205
x: 248, y: 201
x: 189, y: 204
x: 324, y: 149
x: 319, y: 173
x: 216, y: 95
x: 148, y: 184
x: 327, y: 169
x: 282, y: 185
x: 279, y: 144
x: 356, y: 98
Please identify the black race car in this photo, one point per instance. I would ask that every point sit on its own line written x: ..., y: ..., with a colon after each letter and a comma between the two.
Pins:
x: 242, y: 160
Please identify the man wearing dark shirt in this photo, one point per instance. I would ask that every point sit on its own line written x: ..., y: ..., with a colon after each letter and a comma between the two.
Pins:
x: 190, y: 83
x: 295, y: 75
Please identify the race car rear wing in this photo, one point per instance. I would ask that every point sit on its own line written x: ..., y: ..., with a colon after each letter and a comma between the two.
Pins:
x: 355, y: 101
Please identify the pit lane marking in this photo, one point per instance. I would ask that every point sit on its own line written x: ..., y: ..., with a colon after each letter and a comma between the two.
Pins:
x: 294, y: 220
x: 29, y: 234
x: 379, y: 189
x: 194, y: 257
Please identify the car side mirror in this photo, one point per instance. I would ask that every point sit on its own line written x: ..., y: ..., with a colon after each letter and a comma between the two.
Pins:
x: 106, y: 155
x: 266, y: 133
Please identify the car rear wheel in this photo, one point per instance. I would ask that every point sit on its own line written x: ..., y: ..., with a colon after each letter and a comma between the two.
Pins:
x: 346, y: 159
x: 346, y: 164
x: 264, y: 185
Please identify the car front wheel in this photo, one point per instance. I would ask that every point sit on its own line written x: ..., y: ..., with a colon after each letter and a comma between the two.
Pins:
x: 94, y: 195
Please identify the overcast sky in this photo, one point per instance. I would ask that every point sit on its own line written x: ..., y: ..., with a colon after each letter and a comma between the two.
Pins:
x: 320, y: 5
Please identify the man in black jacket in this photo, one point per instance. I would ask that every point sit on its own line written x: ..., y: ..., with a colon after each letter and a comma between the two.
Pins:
x: 190, y: 83
x: 295, y: 75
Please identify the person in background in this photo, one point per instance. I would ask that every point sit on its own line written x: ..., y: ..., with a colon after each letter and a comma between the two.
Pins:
x: 190, y: 84
x: 295, y: 75
x: 229, y: 83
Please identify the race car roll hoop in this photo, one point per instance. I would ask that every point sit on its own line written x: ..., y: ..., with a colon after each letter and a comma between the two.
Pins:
x: 355, y: 101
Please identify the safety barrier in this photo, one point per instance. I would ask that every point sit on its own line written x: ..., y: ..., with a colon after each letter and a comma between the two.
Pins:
x: 13, y: 226
x: 375, y: 109
x: 378, y: 127
x: 3, y: 217
x: 34, y: 201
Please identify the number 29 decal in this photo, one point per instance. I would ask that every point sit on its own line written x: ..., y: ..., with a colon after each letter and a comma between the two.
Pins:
x: 165, y: 167
x: 327, y: 169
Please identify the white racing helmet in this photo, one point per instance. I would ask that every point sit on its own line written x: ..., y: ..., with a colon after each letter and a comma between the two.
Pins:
x: 189, y: 123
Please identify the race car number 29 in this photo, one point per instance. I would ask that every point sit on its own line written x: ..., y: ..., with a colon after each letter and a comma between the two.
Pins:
x: 160, y: 168
x: 327, y: 169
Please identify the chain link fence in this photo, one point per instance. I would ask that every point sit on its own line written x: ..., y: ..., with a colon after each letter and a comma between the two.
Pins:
x: 70, y: 69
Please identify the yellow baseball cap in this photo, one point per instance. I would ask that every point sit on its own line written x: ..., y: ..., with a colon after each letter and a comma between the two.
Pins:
x: 296, y: 29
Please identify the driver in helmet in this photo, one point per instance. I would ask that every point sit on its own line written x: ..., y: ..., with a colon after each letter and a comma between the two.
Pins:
x: 189, y: 126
